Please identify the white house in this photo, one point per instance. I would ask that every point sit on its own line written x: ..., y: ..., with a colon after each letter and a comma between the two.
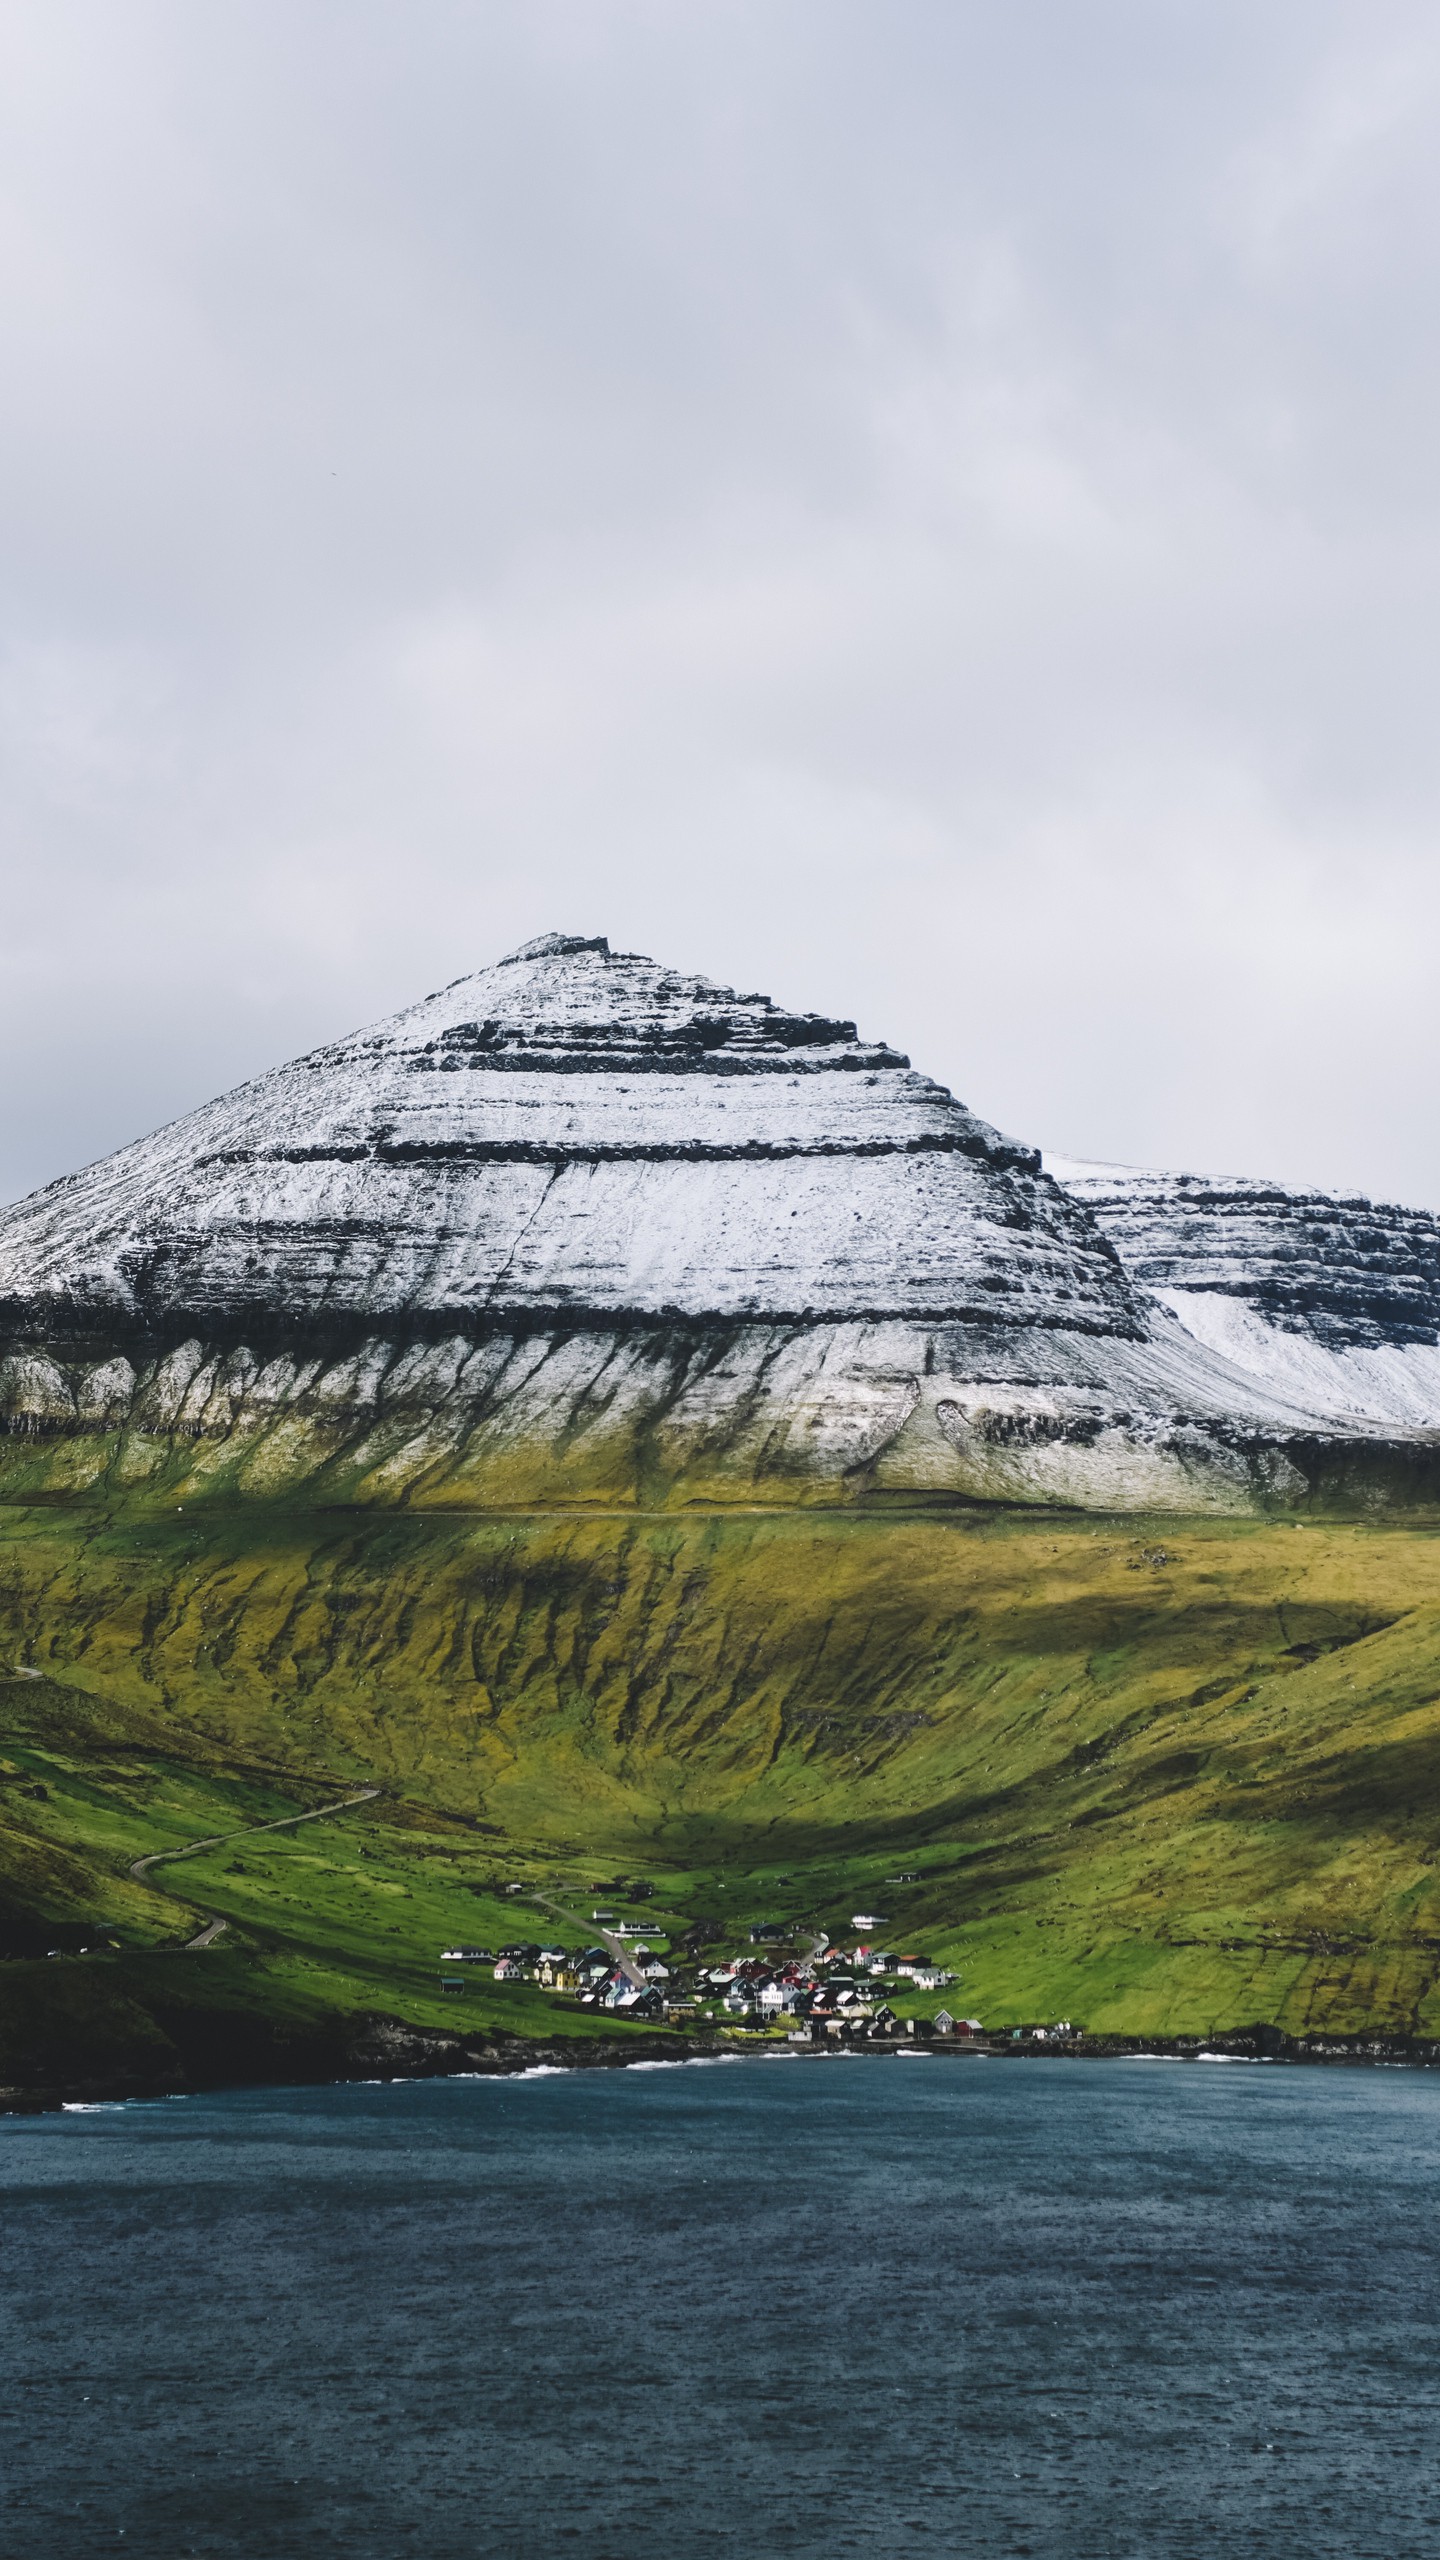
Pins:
x: 634, y: 2004
x: 852, y: 2004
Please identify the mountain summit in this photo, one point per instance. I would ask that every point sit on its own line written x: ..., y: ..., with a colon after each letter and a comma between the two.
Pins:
x: 574, y: 1132
x: 582, y: 1227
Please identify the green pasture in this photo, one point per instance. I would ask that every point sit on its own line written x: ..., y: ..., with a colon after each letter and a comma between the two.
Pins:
x: 1160, y: 1776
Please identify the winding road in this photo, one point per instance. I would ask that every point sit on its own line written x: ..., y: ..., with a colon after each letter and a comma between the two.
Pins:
x: 221, y: 1839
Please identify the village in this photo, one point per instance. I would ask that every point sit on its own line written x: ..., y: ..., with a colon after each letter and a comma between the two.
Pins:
x: 820, y: 1994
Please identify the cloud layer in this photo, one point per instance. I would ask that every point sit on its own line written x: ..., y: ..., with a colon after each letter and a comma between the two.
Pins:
x: 933, y: 512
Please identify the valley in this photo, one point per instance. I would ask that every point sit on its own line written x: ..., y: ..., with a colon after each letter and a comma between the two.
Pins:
x: 1156, y: 1776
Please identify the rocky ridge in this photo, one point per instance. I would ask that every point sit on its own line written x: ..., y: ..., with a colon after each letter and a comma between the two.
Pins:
x: 1321, y: 1295
x: 581, y: 1227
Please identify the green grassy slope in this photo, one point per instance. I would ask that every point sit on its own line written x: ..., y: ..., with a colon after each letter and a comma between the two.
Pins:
x: 328, y: 1923
x: 1160, y: 1777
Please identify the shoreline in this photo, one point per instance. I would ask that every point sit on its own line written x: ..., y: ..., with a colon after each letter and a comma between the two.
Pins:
x: 390, y: 2052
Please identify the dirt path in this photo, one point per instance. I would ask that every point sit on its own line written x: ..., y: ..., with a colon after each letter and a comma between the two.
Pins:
x: 220, y: 1839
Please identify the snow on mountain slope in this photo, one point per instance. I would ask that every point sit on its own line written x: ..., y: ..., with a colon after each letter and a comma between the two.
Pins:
x: 583, y: 1228
x: 574, y: 1132
x: 1324, y: 1297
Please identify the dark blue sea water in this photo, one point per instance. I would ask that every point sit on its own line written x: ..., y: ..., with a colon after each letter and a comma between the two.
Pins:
x: 1127, y: 2310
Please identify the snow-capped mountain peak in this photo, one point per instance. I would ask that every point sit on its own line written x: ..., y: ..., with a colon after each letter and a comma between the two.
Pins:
x: 580, y: 1226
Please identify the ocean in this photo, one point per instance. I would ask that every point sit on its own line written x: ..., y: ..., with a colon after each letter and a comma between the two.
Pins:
x: 1085, y: 2310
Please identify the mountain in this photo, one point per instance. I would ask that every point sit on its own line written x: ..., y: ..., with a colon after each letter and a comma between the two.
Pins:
x: 1320, y: 1295
x: 596, y: 1422
x: 581, y: 1227
x: 575, y: 1133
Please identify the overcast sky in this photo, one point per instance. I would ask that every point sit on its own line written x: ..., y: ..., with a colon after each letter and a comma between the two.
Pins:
x: 931, y: 510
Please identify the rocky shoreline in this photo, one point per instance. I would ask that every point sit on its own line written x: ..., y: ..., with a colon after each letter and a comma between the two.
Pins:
x: 383, y: 2049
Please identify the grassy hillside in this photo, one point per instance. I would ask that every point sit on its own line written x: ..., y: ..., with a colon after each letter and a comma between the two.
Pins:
x: 1156, y: 1776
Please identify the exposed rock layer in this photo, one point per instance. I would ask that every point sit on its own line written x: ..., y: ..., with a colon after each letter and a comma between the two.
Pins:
x: 1323, y: 1296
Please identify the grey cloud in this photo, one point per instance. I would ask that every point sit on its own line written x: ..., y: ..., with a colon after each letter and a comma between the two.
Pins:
x: 929, y: 511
